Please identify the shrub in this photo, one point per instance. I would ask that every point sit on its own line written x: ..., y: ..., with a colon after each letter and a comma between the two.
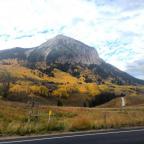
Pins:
x: 6, y: 80
x: 61, y: 92
x: 1, y: 90
x: 56, y: 126
x: 101, y: 98
x: 39, y: 90
x: 59, y: 102
x: 13, y: 128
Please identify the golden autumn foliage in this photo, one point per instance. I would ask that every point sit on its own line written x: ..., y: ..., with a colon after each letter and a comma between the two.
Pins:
x: 62, y: 77
x: 39, y: 90
x: 26, y: 89
x: 88, y: 88
x: 19, y: 72
x: 20, y: 89
x: 61, y: 92
x: 91, y: 89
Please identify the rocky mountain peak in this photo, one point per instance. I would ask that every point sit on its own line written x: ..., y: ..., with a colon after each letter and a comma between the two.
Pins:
x: 61, y: 36
x: 63, y: 49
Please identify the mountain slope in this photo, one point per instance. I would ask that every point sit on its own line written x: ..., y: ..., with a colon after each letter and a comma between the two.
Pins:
x: 71, y: 56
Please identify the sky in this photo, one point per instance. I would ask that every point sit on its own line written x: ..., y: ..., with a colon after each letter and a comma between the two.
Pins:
x: 114, y: 27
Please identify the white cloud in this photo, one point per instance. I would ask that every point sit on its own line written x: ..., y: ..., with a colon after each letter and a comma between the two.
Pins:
x: 115, y: 28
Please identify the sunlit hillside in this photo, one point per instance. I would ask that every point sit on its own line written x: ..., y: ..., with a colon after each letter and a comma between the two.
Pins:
x: 61, y: 88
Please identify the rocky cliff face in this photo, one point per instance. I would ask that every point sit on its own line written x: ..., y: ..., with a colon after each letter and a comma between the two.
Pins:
x: 62, y: 49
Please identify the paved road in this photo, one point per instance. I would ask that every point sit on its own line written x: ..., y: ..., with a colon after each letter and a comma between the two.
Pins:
x: 132, y: 136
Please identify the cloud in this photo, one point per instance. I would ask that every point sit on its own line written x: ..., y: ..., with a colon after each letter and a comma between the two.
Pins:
x: 124, y: 5
x: 23, y: 36
x: 113, y: 27
x: 136, y: 68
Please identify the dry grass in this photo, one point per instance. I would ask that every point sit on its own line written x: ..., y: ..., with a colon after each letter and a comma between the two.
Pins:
x: 14, y: 119
x: 81, y: 123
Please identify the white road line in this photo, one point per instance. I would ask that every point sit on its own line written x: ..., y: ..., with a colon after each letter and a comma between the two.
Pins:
x: 71, y: 136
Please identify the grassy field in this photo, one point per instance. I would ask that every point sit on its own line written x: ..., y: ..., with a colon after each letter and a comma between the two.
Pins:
x: 15, y: 119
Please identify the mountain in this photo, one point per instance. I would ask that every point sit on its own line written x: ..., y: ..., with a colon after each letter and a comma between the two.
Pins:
x: 60, y: 49
x: 72, y: 56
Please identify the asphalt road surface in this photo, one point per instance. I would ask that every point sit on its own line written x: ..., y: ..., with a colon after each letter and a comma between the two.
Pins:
x: 127, y: 136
